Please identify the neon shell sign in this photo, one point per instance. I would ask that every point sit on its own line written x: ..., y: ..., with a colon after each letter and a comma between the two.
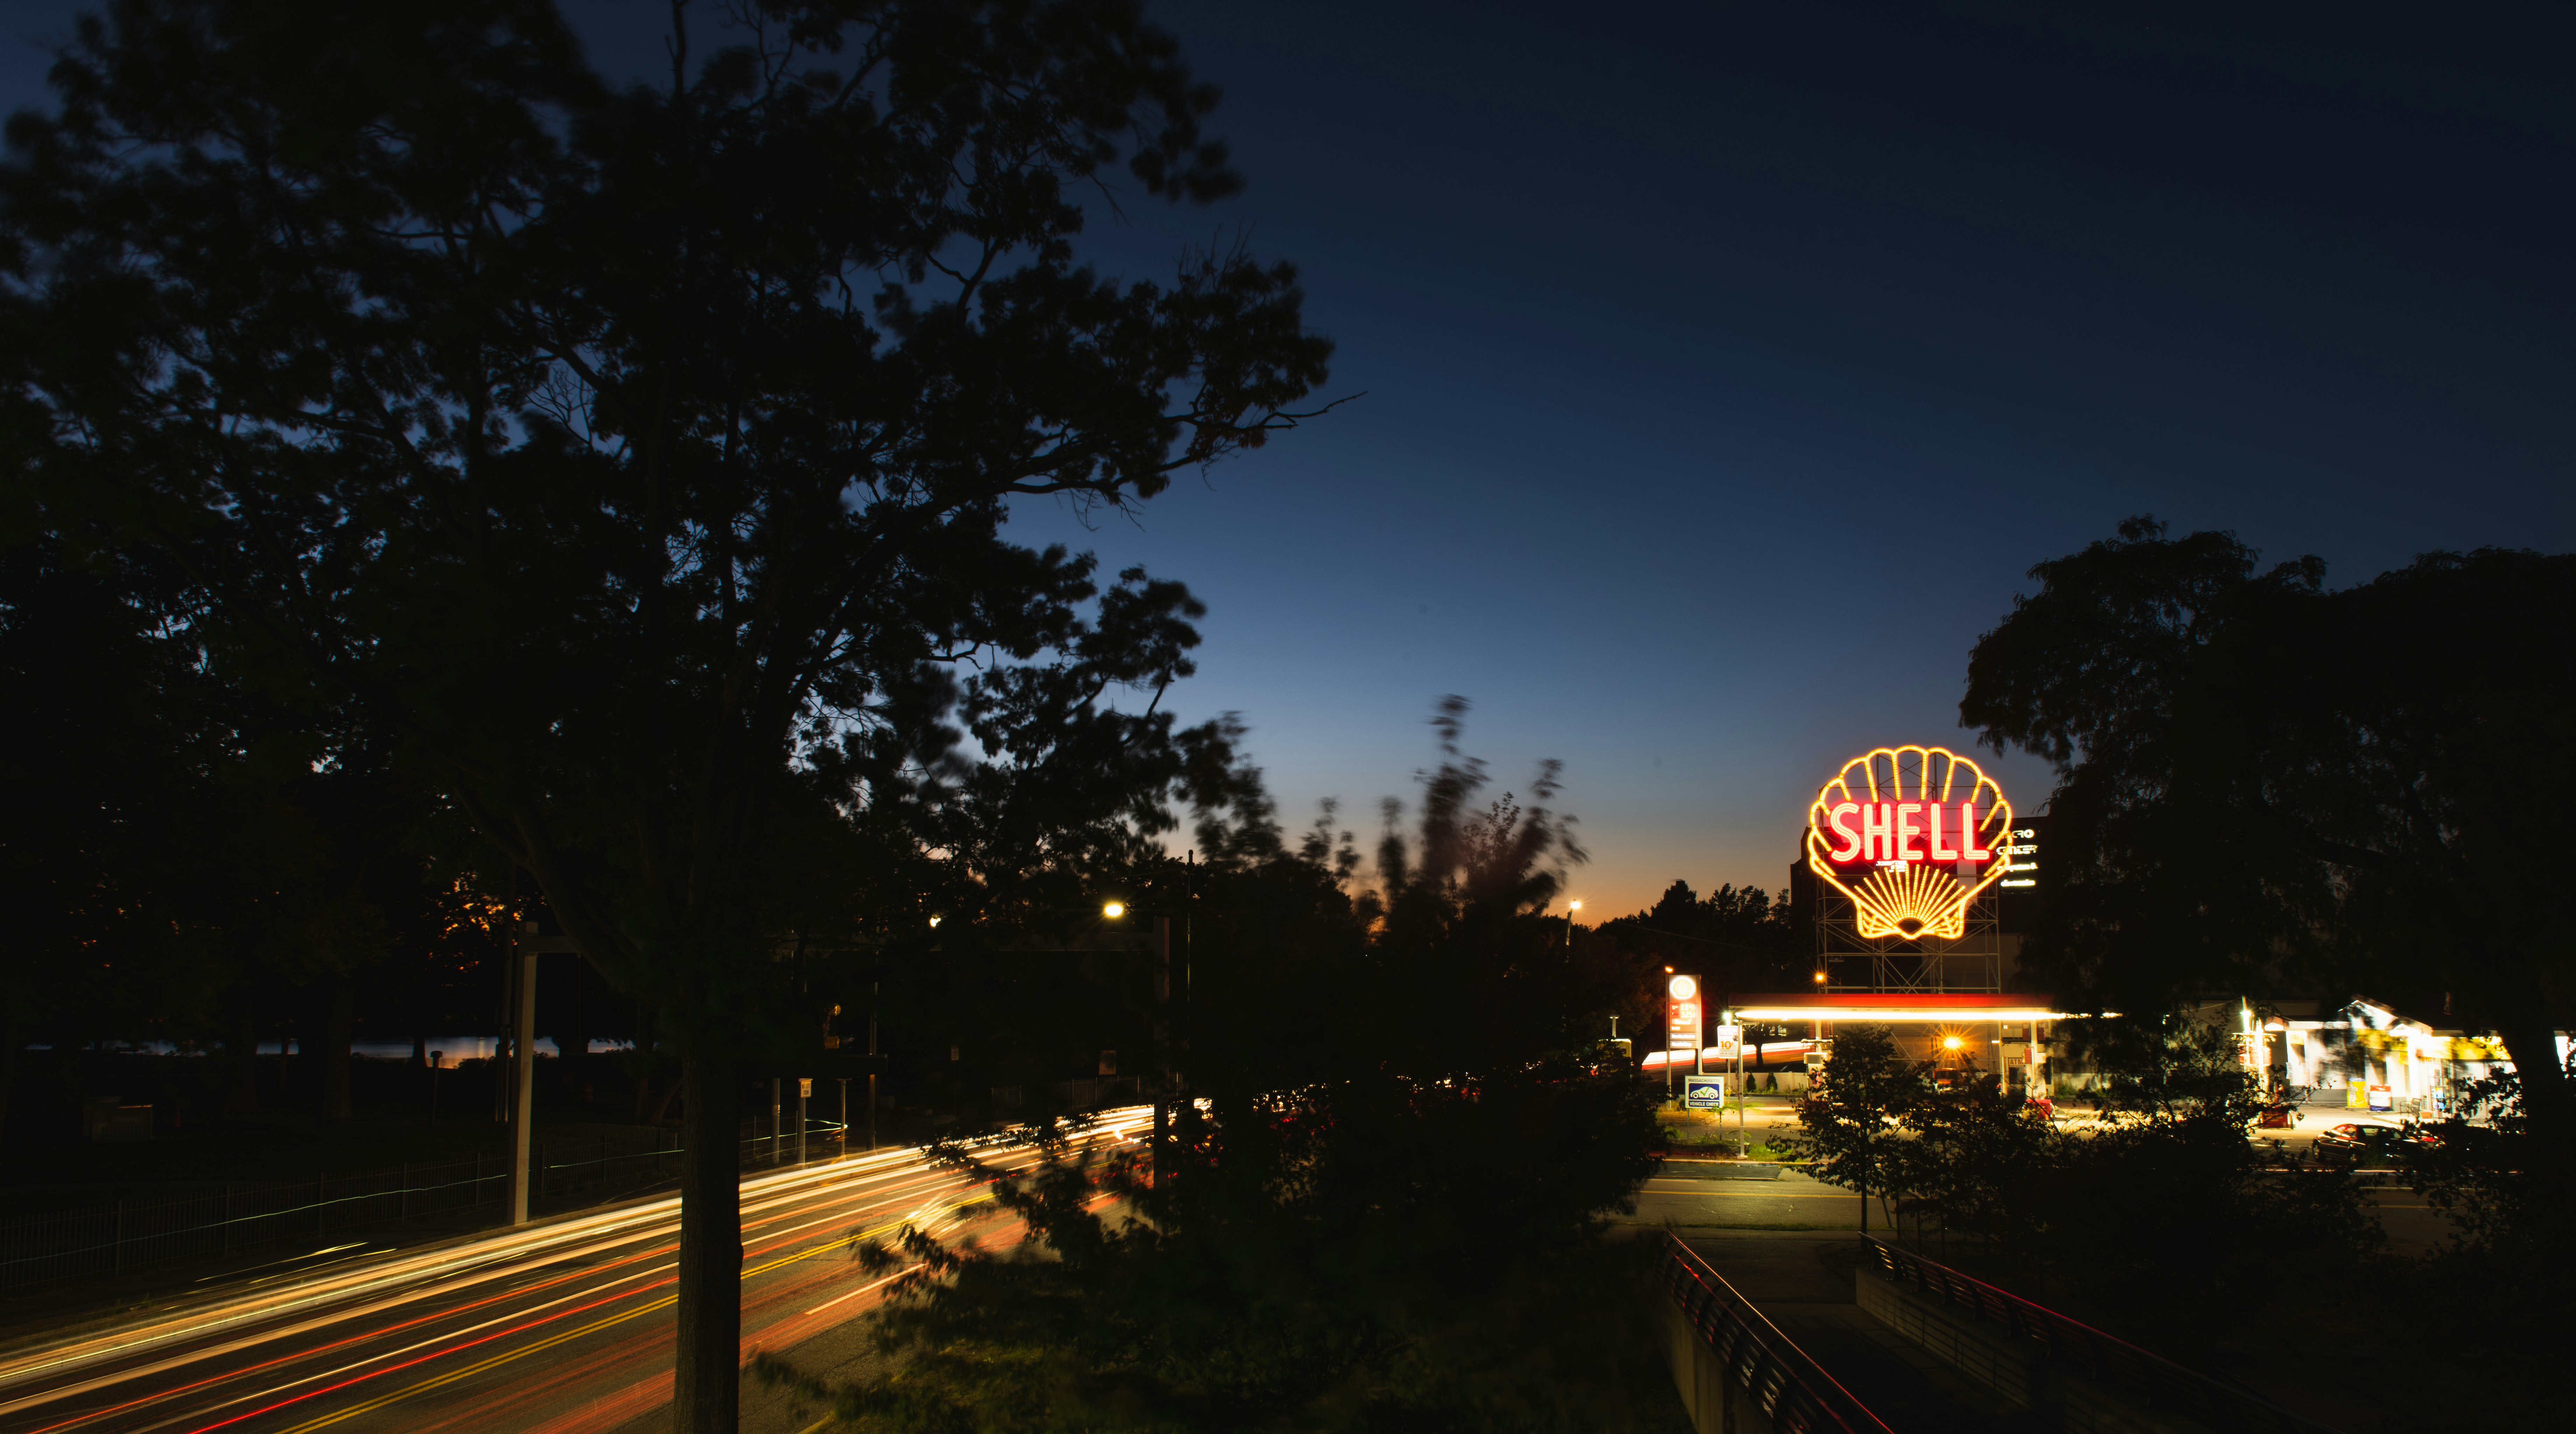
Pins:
x: 1911, y: 835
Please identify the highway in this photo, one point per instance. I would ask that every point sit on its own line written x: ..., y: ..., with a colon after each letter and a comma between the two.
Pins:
x: 563, y: 1327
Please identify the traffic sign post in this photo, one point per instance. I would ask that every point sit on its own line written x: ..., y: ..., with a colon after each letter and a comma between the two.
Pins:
x: 1730, y: 1055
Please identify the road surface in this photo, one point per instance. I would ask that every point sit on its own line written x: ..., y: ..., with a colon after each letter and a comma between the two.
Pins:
x: 563, y: 1327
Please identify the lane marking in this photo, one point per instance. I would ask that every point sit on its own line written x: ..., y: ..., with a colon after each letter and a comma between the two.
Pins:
x: 863, y: 1289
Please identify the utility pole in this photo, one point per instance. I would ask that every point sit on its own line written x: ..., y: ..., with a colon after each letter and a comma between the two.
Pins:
x: 523, y: 1071
x: 845, y: 1113
x: 773, y: 1120
x: 525, y: 946
x: 500, y: 1040
x: 872, y: 1068
x: 804, y: 1088
x: 1162, y: 1047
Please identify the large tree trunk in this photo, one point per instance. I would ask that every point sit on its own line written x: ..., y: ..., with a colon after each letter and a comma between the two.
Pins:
x: 2548, y: 1101
x: 339, y: 1028
x: 705, y: 1386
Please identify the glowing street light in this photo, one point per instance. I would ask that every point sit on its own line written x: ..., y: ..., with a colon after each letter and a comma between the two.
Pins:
x: 1951, y: 1043
x: 934, y: 923
x: 1113, y: 909
x: 1571, y: 907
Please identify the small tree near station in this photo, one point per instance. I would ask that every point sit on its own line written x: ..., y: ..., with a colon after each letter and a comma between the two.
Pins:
x: 1850, y: 1126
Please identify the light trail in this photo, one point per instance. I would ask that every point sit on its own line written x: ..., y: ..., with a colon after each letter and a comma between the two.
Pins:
x: 465, y: 1318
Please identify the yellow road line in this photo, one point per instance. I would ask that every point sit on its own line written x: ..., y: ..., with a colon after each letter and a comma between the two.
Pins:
x: 1757, y: 1194
x: 471, y: 1370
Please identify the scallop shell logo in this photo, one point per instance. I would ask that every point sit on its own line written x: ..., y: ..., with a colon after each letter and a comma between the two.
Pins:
x: 1911, y: 835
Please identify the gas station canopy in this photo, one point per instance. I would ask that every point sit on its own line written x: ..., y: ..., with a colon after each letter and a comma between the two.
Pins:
x: 1888, y: 1008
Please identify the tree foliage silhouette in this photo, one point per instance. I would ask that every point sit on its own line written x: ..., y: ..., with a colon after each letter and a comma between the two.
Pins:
x: 1387, y: 1215
x: 2263, y: 779
x: 639, y: 457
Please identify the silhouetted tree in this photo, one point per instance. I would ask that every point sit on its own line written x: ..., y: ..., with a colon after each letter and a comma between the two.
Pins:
x: 1740, y: 940
x: 639, y: 457
x: 1852, y: 1123
x: 185, y: 860
x: 1388, y: 1216
x: 2259, y: 777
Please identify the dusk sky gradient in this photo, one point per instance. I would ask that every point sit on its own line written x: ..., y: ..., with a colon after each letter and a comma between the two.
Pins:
x: 1727, y: 366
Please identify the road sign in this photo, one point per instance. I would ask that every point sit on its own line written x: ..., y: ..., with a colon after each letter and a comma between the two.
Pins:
x: 1681, y: 1027
x: 1703, y: 1092
x: 1728, y: 1040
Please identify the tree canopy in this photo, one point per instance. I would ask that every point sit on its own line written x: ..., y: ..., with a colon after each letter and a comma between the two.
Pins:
x: 636, y: 459
x: 1387, y: 1213
x: 2262, y: 779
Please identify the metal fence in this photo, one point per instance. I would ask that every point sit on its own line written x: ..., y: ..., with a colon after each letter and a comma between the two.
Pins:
x: 2148, y: 1379
x: 106, y: 1241
x: 1763, y: 1365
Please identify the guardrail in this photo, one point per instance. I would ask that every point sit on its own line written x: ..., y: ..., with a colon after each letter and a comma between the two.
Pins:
x: 2115, y: 1364
x: 1754, y: 1358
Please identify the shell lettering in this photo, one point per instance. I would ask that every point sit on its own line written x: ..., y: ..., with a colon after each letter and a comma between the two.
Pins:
x: 1911, y: 835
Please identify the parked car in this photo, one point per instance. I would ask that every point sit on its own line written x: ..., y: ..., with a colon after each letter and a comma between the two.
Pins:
x: 2353, y: 1143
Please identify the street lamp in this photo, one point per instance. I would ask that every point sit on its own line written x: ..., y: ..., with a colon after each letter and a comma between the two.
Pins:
x: 1113, y: 909
x: 1571, y: 907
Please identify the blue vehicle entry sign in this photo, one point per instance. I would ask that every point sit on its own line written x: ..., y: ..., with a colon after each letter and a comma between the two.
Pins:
x: 1703, y: 1092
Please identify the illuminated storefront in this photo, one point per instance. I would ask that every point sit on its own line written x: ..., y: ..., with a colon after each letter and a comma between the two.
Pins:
x: 2365, y: 1055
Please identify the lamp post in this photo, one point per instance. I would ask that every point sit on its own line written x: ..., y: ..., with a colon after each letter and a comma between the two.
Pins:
x: 1117, y: 911
x: 1571, y: 907
x: 1165, y: 1078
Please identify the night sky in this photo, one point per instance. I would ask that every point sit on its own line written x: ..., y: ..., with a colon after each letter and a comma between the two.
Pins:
x: 1726, y: 366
